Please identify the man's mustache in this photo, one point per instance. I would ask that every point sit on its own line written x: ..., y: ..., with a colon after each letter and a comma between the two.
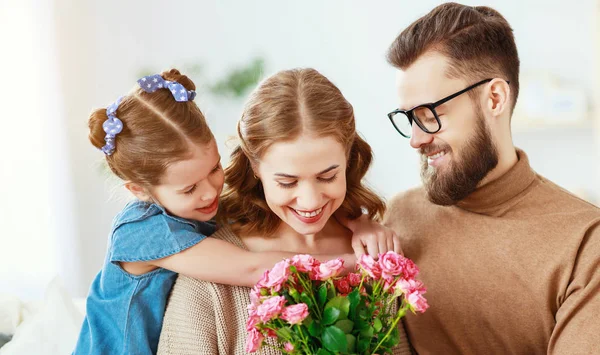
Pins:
x: 430, y: 148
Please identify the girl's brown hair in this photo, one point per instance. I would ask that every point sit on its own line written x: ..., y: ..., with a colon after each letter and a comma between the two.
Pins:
x: 157, y: 131
x: 283, y: 107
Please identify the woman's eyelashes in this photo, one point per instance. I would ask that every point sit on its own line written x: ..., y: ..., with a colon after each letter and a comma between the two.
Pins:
x: 291, y: 184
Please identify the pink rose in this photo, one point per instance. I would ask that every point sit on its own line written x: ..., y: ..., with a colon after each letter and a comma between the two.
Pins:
x: 275, y: 277
x: 370, y: 266
x: 354, y: 279
x: 329, y: 269
x: 404, y: 286
x: 288, y: 347
x: 392, y: 265
x: 253, y: 320
x: 304, y: 262
x: 416, y: 301
x: 410, y: 269
x: 255, y: 296
x: 254, y: 341
x: 270, y: 308
x: 343, y: 286
x: 295, y: 313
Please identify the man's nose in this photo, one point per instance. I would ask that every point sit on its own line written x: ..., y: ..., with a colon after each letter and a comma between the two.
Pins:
x: 418, y: 138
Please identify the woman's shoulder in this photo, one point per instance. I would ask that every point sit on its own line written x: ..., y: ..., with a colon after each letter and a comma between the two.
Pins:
x: 227, y: 233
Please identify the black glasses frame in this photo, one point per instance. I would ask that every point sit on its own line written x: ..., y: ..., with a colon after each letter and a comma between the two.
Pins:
x: 431, y: 106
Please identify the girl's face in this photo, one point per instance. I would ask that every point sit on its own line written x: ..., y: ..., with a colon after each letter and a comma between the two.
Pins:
x: 190, y: 188
x: 304, y: 181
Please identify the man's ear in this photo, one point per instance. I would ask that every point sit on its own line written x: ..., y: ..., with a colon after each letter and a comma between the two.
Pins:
x: 138, y: 191
x: 498, y: 100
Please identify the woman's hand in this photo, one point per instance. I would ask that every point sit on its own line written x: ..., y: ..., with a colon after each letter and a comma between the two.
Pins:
x: 370, y: 237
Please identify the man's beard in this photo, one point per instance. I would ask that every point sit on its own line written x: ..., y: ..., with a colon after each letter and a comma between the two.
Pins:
x: 460, y: 177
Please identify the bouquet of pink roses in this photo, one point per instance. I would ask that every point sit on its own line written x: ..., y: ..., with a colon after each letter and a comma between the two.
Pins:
x: 307, y: 308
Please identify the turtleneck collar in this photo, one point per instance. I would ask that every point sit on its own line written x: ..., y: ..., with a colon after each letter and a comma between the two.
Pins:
x: 498, y: 194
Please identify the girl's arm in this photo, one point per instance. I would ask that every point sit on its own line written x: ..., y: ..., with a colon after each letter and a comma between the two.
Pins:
x: 216, y: 260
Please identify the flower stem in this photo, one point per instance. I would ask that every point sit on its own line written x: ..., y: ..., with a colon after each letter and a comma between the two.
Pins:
x: 304, y: 339
x: 400, y: 314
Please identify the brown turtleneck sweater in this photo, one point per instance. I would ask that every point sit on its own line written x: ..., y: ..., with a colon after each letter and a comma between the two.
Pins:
x: 512, y: 269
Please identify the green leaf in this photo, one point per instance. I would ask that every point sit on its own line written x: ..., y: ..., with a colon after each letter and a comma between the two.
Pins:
x: 361, y: 324
x: 323, y: 352
x: 351, y: 339
x: 315, y: 329
x: 285, y: 333
x: 367, y: 333
x: 305, y: 299
x: 363, y: 312
x: 341, y: 303
x: 377, y: 324
x: 307, y: 321
x: 330, y: 315
x: 335, y: 340
x: 345, y: 325
x: 363, y: 345
x: 393, y: 339
x: 240, y: 80
x: 331, y: 292
x: 354, y: 298
x: 322, y: 295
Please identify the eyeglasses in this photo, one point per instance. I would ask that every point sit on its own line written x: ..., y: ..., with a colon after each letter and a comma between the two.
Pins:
x: 424, y: 115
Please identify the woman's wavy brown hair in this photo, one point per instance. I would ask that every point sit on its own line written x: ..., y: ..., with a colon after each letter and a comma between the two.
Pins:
x: 283, y: 107
x: 157, y: 131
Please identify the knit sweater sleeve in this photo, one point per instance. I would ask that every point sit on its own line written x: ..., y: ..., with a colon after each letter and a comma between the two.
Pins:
x: 403, y: 348
x: 577, y: 329
x: 189, y: 323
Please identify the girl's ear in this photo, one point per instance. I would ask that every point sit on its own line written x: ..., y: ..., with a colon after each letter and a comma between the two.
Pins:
x: 138, y: 191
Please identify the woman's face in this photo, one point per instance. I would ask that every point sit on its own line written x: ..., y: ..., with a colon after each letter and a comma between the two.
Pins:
x: 304, y: 181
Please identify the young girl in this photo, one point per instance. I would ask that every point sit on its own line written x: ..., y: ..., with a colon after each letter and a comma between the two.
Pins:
x: 157, y: 140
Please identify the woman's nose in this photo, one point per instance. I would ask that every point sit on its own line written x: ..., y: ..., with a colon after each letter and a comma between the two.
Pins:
x: 309, y: 197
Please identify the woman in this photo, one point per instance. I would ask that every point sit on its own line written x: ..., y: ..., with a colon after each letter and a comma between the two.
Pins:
x: 299, y: 161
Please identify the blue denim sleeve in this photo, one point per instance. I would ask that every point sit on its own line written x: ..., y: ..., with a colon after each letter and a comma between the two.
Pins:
x: 151, y: 238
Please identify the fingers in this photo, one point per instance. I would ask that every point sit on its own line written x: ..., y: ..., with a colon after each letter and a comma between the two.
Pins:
x: 358, y: 247
x: 390, y: 242
x: 397, y: 246
x: 373, y: 247
x: 383, y: 246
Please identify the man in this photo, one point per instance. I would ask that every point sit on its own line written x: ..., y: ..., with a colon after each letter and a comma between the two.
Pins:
x: 510, y: 260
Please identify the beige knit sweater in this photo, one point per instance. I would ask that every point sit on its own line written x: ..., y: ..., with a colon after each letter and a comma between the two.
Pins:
x: 208, y: 318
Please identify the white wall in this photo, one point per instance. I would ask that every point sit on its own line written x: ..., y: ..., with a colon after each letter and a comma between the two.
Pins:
x: 102, y: 46
x: 37, y: 218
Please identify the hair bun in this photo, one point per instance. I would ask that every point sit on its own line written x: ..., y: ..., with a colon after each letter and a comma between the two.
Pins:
x: 175, y: 75
x: 95, y: 122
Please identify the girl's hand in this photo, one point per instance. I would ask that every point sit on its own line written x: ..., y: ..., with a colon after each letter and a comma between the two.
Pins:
x: 370, y: 237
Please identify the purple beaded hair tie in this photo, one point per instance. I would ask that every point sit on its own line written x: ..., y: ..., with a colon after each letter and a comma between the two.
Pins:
x: 113, y: 126
x: 155, y: 82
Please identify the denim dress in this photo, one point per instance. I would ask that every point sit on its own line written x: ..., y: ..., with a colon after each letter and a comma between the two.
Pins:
x: 124, y: 312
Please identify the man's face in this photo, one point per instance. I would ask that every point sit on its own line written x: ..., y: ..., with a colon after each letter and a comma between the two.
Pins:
x: 455, y: 159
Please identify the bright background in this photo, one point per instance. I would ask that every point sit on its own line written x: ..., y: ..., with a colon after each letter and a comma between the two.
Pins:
x: 60, y: 59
